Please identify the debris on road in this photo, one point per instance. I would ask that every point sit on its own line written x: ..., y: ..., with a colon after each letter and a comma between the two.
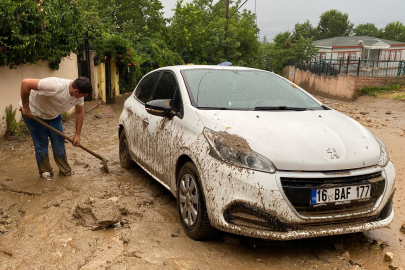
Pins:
x: 388, y: 257
x: 97, y: 214
x: 402, y: 229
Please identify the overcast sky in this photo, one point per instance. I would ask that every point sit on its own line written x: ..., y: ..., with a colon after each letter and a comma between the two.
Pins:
x: 275, y: 16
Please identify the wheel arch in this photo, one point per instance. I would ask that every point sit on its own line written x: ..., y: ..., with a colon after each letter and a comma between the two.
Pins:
x: 120, y: 129
x: 180, y: 162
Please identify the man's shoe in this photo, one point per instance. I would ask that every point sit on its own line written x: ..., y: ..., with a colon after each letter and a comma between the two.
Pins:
x: 47, y: 176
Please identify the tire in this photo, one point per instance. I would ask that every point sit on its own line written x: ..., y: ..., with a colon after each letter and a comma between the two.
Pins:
x: 125, y: 158
x: 191, y: 204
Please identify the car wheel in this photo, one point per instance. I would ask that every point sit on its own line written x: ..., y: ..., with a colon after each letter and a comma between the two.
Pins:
x: 125, y: 158
x: 191, y: 204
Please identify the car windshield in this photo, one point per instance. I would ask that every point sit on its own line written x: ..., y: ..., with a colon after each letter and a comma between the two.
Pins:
x: 244, y: 90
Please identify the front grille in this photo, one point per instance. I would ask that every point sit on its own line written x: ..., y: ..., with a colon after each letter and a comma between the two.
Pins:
x: 298, y: 191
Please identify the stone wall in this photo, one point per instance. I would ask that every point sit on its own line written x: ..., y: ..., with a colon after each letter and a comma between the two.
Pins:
x: 343, y: 87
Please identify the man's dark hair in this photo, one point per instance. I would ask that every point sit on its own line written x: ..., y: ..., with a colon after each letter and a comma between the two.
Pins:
x: 83, y: 84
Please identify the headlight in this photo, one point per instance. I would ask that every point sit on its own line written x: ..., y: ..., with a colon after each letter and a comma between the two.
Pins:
x: 384, y: 157
x: 235, y: 150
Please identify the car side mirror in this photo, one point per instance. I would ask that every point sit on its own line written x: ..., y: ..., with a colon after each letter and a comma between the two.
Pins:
x: 160, y: 107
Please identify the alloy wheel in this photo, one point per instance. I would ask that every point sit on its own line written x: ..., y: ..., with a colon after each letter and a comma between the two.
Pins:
x: 188, y: 197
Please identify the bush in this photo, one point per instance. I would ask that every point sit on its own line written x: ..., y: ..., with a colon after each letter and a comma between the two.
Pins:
x: 373, y: 91
x: 17, y: 130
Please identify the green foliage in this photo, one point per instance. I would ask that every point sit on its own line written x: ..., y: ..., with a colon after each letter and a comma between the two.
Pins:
x: 198, y: 34
x: 285, y: 49
x: 334, y: 23
x: 15, y: 129
x: 367, y: 29
x: 38, y: 30
x: 132, y: 33
x: 394, y: 31
x: 373, y: 91
x: 306, y: 30
x: 65, y: 116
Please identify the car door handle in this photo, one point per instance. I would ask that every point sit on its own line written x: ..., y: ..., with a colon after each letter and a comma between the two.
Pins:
x: 145, y: 122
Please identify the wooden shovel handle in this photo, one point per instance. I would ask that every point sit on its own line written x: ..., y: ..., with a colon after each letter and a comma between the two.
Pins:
x: 64, y: 136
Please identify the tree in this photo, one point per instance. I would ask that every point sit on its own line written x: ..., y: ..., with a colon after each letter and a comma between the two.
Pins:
x: 394, y: 31
x: 368, y: 29
x: 38, y: 30
x: 281, y: 52
x: 334, y: 23
x: 284, y: 48
x: 303, y: 29
x: 303, y: 49
x: 198, y: 34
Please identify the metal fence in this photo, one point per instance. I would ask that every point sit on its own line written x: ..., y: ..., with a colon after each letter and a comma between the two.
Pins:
x: 366, y: 68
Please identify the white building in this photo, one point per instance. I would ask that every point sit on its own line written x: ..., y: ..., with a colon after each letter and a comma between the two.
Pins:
x: 363, y: 47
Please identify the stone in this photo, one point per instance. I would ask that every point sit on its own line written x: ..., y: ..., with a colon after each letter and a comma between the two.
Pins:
x: 352, y: 262
x: 394, y: 267
x: 364, y: 113
x: 388, y: 257
x: 388, y: 112
x: 345, y: 255
x: 402, y: 229
x: 97, y: 214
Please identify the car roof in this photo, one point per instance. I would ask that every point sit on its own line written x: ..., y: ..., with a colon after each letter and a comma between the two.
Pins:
x: 188, y: 67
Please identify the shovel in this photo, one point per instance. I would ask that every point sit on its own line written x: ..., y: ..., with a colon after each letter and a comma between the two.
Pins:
x: 70, y: 140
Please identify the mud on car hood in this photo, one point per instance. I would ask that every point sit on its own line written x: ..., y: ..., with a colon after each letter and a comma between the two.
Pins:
x: 300, y: 140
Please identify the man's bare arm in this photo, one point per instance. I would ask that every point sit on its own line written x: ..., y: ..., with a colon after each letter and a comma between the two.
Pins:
x: 26, y: 86
x: 79, y: 122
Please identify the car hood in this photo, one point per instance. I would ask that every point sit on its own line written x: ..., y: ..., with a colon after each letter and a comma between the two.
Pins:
x: 300, y: 140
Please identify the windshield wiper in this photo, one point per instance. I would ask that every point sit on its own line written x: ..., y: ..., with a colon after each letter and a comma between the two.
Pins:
x: 280, y: 108
x: 212, y: 108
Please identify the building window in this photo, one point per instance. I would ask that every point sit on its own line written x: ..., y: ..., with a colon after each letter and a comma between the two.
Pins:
x: 392, y: 56
x: 398, y: 56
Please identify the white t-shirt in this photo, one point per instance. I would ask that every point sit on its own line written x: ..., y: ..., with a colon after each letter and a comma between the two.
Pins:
x: 52, y: 98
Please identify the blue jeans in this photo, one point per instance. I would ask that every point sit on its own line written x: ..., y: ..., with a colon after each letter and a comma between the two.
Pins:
x: 40, y: 136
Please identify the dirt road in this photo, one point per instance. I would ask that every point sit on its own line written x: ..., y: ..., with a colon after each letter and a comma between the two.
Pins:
x: 50, y: 224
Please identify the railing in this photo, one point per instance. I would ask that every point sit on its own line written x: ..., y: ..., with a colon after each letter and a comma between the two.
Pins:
x: 318, y: 68
x: 365, y: 68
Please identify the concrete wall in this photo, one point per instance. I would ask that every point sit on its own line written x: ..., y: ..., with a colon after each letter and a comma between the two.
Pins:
x: 101, y: 81
x: 10, y: 82
x: 115, y: 89
x: 343, y: 87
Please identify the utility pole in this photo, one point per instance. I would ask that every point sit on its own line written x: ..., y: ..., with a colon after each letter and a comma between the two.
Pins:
x: 227, y: 16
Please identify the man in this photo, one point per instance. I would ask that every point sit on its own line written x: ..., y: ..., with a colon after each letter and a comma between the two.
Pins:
x: 47, y: 99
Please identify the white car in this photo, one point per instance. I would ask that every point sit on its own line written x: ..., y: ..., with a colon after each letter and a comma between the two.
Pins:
x: 248, y: 152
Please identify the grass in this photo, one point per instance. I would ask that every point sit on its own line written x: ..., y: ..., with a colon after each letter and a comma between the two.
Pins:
x: 17, y: 130
x: 374, y: 91
x: 65, y: 117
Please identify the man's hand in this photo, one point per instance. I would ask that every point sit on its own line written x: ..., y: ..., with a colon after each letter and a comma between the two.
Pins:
x: 26, y: 112
x: 76, y: 140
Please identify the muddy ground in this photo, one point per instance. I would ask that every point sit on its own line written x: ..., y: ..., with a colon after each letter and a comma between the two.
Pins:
x: 59, y: 224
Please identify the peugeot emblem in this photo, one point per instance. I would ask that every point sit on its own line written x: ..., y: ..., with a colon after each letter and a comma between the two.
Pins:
x: 332, y: 152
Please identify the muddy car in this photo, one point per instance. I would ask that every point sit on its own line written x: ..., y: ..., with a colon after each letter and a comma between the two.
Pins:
x: 248, y: 152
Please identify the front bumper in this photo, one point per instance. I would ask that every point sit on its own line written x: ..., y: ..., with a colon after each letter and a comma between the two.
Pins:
x: 252, y: 203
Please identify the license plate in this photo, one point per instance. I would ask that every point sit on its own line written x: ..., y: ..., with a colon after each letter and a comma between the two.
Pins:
x: 340, y: 194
